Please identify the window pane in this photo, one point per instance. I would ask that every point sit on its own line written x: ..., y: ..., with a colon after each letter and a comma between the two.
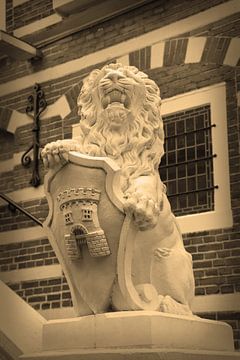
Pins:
x: 187, y: 167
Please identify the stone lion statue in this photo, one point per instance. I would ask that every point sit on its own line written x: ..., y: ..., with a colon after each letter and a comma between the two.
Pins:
x: 120, y: 115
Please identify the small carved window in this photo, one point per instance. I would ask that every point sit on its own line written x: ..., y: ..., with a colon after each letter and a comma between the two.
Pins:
x: 87, y: 214
x: 68, y: 218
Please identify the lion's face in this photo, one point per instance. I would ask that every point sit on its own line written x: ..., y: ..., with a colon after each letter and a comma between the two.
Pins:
x: 120, y: 118
x: 118, y: 94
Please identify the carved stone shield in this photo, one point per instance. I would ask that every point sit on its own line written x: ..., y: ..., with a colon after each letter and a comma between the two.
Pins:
x: 94, y: 240
x: 84, y: 225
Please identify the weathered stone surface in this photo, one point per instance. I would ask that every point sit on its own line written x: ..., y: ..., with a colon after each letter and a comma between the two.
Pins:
x: 136, y: 335
x: 144, y: 265
x: 135, y: 354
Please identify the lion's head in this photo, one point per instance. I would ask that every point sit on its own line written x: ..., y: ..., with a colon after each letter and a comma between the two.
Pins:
x: 120, y: 118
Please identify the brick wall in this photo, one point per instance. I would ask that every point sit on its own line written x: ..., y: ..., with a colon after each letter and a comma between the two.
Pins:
x: 215, y: 253
x: 113, y: 31
x: 215, y: 261
x: 9, y: 16
x: 6, y: 145
x: 27, y: 254
x: 44, y: 294
x: 16, y: 220
x: 231, y: 318
x: 30, y: 11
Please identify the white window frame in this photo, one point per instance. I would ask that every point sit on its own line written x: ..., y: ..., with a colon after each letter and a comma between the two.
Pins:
x: 215, y: 96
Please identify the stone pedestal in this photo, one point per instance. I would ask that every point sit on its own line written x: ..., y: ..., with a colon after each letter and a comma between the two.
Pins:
x: 136, y: 335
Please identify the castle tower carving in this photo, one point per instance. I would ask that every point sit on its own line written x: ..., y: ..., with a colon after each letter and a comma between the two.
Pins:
x: 79, y: 209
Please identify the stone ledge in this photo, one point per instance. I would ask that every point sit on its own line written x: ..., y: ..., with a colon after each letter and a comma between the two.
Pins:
x: 134, y: 354
x: 137, y: 329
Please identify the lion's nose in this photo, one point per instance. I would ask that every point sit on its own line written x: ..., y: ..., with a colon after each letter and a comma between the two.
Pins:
x: 114, y: 76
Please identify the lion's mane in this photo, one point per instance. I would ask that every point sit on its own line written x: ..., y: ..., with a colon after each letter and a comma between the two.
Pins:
x: 139, y: 149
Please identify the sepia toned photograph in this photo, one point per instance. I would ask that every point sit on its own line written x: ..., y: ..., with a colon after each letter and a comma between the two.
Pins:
x: 119, y: 179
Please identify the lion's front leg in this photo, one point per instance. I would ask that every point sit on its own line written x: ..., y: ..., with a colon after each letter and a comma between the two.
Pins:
x: 142, y: 202
x: 143, y: 209
x: 56, y: 152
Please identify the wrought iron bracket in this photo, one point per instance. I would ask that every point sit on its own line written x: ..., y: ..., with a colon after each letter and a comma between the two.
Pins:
x: 36, y: 105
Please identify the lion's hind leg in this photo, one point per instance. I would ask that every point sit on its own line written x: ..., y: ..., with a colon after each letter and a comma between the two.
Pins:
x: 172, y: 276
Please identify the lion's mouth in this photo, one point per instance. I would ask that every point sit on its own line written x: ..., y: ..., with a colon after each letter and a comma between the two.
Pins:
x: 115, y: 96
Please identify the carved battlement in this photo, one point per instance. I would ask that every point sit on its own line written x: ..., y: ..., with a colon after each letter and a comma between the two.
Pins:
x: 78, y: 195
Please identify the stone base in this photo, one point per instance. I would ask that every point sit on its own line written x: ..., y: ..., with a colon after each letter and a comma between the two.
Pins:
x: 134, y: 354
x: 136, y: 335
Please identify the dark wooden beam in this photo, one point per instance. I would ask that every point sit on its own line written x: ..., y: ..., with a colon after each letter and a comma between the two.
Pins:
x: 16, y: 48
x: 70, y: 7
x: 83, y: 18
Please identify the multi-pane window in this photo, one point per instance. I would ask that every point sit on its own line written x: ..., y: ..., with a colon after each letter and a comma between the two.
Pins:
x: 87, y: 214
x: 68, y: 218
x: 187, y: 166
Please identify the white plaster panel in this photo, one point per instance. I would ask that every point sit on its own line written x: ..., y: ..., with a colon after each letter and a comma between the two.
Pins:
x: 60, y: 107
x: 157, y: 53
x: 238, y: 98
x: 6, y: 165
x: 124, y: 60
x: 233, y: 53
x: 18, y: 2
x: 18, y: 119
x: 18, y: 156
x: 21, y: 235
x: 17, y: 44
x: 216, y: 302
x: 25, y: 194
x: 37, y: 273
x: 37, y: 25
x: 195, y: 49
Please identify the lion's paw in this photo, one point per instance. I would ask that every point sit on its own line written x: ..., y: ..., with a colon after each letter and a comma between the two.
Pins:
x: 144, y: 210
x: 55, y: 153
x: 169, y: 305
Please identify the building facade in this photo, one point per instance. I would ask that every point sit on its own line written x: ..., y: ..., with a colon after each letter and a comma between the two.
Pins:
x: 193, y: 54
